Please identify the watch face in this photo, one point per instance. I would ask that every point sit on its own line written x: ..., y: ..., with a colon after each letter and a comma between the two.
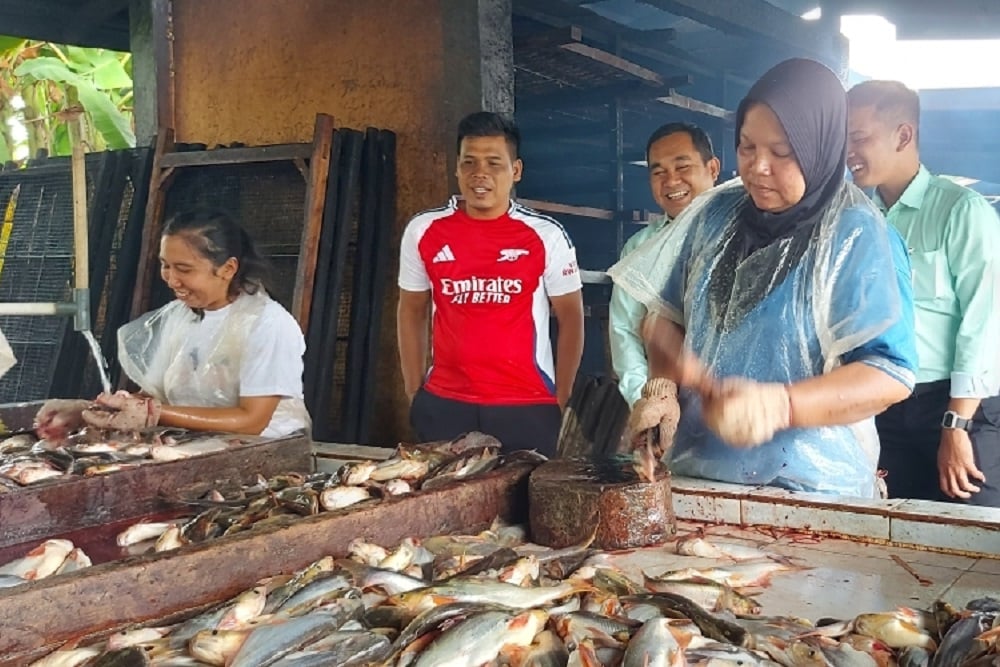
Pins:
x: 948, y: 421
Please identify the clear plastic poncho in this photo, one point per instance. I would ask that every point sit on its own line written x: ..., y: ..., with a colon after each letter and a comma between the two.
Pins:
x: 794, y: 309
x: 158, y: 352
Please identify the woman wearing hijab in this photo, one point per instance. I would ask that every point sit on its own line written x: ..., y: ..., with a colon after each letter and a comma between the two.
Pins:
x: 781, y: 304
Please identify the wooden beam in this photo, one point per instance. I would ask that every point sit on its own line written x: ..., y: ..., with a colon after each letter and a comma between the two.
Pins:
x: 48, y: 22
x: 576, y: 132
x: 609, y: 34
x: 93, y: 15
x: 598, y: 96
x: 319, y: 172
x: 611, y: 60
x: 153, y: 223
x: 241, y: 155
x: 568, y: 209
x: 675, y: 99
x: 162, y: 21
x: 757, y: 19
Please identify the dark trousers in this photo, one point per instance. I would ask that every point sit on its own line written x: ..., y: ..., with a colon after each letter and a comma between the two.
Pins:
x: 515, y: 426
x: 910, y: 433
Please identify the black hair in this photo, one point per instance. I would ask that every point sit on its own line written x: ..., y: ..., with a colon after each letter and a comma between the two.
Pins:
x: 490, y: 124
x: 892, y: 100
x: 216, y: 235
x: 698, y: 137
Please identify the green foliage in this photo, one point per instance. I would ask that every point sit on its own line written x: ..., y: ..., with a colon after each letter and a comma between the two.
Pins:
x: 43, y: 85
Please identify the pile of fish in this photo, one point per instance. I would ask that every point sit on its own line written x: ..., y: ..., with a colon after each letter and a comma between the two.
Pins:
x: 411, y: 468
x: 491, y: 599
x: 48, y: 558
x: 25, y: 460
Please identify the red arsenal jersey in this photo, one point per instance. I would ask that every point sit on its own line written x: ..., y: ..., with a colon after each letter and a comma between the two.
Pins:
x: 490, y: 283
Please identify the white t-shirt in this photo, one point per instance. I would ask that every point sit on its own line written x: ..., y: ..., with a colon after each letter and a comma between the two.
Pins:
x: 270, y: 364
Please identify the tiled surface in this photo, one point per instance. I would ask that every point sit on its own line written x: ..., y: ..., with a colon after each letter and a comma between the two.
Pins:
x: 989, y: 566
x: 815, y: 519
x: 947, y: 526
x: 944, y: 536
x: 972, y: 585
x: 710, y: 509
x: 950, y: 511
x: 844, y: 578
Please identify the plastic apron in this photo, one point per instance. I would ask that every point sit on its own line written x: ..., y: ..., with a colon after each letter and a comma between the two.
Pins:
x: 811, y: 310
x: 157, y: 352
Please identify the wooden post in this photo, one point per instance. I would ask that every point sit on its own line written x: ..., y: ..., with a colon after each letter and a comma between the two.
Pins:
x: 153, y: 224
x: 81, y: 269
x: 319, y: 171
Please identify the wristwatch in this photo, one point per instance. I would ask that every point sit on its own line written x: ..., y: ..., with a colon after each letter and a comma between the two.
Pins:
x: 952, y: 420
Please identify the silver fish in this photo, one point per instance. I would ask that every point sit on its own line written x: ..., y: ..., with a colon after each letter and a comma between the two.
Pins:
x: 41, y: 561
x: 475, y: 590
x: 338, y: 497
x: 547, y: 650
x: 480, y: 638
x: 319, y: 591
x: 67, y: 658
x: 654, y: 645
x: 344, y: 649
x: 397, y: 468
x: 142, y: 531
x: 269, y: 643
x: 75, y: 560
x: 355, y: 474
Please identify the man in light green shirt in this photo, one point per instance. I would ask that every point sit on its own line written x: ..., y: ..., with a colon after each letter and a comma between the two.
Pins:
x: 682, y: 165
x: 945, y: 438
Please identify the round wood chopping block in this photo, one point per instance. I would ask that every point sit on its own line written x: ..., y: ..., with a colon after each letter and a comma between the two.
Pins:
x: 571, y: 499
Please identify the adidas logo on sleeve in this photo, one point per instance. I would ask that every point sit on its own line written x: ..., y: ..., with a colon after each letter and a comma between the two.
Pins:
x: 444, y: 255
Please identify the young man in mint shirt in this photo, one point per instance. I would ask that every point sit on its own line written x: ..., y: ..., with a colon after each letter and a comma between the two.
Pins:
x: 944, y: 441
x: 682, y: 165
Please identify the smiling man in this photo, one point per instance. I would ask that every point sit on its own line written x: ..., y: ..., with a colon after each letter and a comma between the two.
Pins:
x: 483, y: 272
x: 945, y: 438
x: 682, y: 165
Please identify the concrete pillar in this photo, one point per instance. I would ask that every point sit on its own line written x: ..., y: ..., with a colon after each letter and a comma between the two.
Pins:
x: 257, y: 72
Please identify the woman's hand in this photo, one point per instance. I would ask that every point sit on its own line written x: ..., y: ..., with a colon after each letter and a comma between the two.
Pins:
x: 58, y: 417
x: 745, y: 413
x: 123, y: 411
x: 668, y: 357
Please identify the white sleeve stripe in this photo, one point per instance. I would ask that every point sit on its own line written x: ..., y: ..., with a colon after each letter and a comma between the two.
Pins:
x: 530, y: 215
x: 412, y: 270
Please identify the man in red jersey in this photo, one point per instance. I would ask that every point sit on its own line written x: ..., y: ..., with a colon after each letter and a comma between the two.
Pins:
x: 484, y: 272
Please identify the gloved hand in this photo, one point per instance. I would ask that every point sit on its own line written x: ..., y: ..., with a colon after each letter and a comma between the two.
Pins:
x: 658, y: 408
x: 123, y: 411
x: 745, y: 413
x: 58, y: 417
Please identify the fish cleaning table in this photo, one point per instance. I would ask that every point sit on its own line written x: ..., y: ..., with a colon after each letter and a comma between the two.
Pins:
x: 860, y: 556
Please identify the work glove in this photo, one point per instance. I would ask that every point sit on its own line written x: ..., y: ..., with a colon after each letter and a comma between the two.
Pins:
x: 657, y: 409
x: 123, y: 411
x: 58, y: 417
x: 745, y: 413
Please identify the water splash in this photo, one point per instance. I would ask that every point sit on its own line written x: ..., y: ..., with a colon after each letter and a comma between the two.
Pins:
x: 102, y: 365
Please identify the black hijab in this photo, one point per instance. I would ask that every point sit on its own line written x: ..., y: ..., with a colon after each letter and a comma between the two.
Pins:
x: 811, y: 105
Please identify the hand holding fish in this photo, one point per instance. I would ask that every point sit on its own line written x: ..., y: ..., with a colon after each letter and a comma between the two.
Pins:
x: 745, y: 413
x: 58, y: 417
x: 122, y: 411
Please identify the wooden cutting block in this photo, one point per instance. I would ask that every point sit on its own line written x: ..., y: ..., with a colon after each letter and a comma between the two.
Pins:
x: 571, y: 499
